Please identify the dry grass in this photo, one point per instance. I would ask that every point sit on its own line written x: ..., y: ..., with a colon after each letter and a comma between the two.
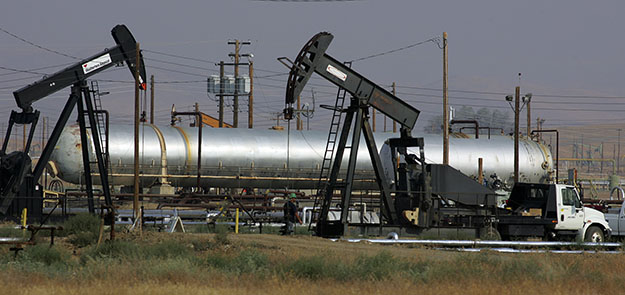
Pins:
x: 160, y: 263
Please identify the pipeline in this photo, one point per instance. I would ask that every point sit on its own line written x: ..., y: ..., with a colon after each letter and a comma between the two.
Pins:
x: 479, y: 243
x: 239, y: 158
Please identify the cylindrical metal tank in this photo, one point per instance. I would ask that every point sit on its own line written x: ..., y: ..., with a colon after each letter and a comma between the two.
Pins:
x: 271, y: 158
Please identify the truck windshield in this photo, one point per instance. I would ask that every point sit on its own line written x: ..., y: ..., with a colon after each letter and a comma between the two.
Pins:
x: 569, y: 197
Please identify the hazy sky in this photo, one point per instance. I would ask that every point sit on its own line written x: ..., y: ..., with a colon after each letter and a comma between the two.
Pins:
x: 571, y: 48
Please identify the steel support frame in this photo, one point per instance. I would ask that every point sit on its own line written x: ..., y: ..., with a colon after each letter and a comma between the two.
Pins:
x: 78, y: 89
x: 358, y: 115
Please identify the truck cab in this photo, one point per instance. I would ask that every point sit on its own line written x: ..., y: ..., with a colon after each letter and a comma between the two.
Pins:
x: 615, y: 212
x: 616, y: 219
x: 559, y: 206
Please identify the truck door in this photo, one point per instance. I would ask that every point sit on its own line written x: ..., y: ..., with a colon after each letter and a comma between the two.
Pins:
x: 570, y: 212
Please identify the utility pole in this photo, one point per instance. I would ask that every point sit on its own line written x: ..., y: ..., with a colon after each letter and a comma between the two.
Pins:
x: 539, y: 127
x: 618, y: 159
x: 235, y: 115
x: 298, y: 123
x: 529, y: 118
x: 135, y: 200
x: 384, y: 123
x: 250, y: 104
x: 221, y: 94
x: 582, y: 153
x: 445, y: 105
x: 394, y: 123
x: 373, y: 118
x: 602, y: 157
x: 152, y: 99
x: 614, y: 156
x: 237, y: 46
x: 517, y: 97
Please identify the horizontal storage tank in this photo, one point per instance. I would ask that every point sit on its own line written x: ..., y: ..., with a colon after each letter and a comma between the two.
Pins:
x: 258, y: 158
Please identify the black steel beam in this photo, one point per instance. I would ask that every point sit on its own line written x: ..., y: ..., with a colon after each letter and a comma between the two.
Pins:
x: 124, y: 51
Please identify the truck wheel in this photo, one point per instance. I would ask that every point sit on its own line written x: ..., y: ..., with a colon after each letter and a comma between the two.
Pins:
x: 594, y: 234
x: 489, y: 233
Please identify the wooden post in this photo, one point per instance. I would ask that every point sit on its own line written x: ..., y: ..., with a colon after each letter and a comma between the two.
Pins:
x: 221, y: 94
x: 384, y: 123
x: 298, y: 123
x: 235, y: 115
x: 529, y: 118
x: 394, y: 123
x: 517, y: 97
x: 445, y: 105
x: 373, y: 118
x: 135, y: 199
x: 618, y: 159
x: 250, y: 106
x: 152, y: 99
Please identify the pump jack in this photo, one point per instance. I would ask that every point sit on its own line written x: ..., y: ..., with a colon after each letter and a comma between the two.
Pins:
x: 18, y: 184
x: 365, y: 94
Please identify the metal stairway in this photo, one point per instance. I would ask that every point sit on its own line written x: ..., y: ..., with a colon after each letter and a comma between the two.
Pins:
x: 101, y: 123
x: 326, y: 165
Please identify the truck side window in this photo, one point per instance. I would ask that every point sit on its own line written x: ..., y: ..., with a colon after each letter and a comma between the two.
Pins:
x: 568, y: 197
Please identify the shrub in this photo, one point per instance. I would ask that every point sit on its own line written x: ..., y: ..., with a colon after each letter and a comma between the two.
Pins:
x: 201, y: 245
x: 250, y: 261
x: 218, y: 261
x: 165, y: 249
x: 313, y: 267
x: 81, y: 223
x: 111, y: 249
x: 247, y: 262
x: 83, y: 239
x: 221, y: 239
x: 45, y: 254
x: 82, y: 229
x: 379, y: 266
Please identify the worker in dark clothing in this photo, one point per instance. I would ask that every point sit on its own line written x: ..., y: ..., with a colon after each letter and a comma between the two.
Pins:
x: 290, y: 215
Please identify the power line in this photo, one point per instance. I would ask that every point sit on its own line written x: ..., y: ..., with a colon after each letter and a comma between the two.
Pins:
x: 179, y: 56
x: 37, y: 69
x: 434, y: 39
x: 181, y: 65
x: 22, y: 71
x: 176, y: 71
x: 38, y: 46
x: 506, y: 93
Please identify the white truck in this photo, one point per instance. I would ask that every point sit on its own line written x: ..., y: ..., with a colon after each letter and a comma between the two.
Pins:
x: 615, y: 213
x: 553, y: 211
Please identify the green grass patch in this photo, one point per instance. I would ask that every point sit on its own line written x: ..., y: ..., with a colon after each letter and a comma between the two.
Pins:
x: 10, y: 231
x: 81, y: 223
x: 82, y: 229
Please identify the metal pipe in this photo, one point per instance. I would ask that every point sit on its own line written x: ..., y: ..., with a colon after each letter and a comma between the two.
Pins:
x: 256, y: 158
x: 478, y: 243
x: 619, y: 197
x: 474, y: 122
